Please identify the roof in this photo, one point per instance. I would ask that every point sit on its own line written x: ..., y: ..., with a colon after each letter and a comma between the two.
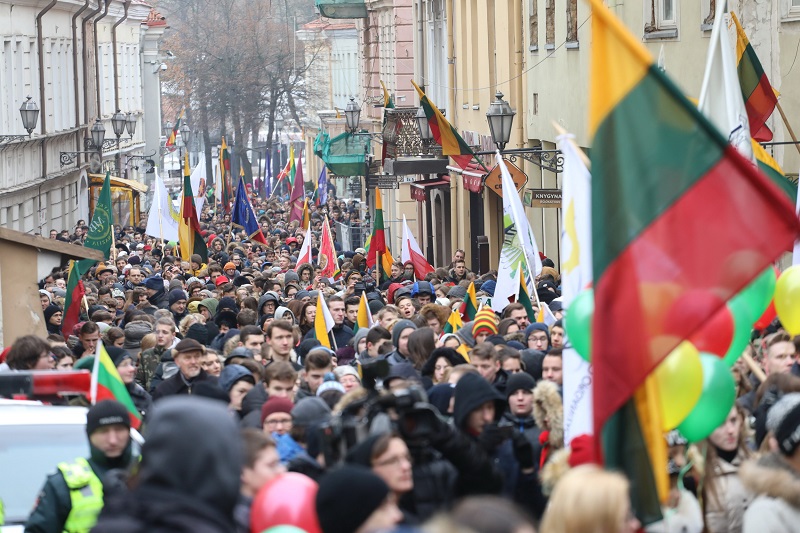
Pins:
x: 51, y: 245
x: 323, y: 24
x: 155, y: 18
x: 119, y: 182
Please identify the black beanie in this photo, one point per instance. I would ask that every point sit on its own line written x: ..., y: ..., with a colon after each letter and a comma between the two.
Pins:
x: 106, y: 413
x: 49, y: 311
x: 176, y: 295
x: 347, y: 497
x: 117, y: 354
x: 199, y: 333
x: 519, y: 381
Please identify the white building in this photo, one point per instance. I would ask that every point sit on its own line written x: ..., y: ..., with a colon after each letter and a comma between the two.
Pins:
x: 49, y: 52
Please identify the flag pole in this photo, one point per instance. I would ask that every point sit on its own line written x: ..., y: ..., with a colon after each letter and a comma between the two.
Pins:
x: 788, y: 126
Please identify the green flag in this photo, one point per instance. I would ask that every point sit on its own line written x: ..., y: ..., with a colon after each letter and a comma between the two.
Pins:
x: 101, y: 226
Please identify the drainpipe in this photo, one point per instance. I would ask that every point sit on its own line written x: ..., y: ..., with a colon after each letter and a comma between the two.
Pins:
x: 458, y: 205
x: 114, y: 45
x: 85, y: 53
x: 78, y: 145
x: 42, y: 100
x: 97, y: 55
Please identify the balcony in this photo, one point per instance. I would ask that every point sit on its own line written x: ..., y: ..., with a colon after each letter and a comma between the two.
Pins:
x: 342, y: 9
x: 406, y: 152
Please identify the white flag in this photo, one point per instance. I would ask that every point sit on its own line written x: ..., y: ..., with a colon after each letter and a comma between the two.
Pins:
x: 163, y: 219
x: 198, y: 179
x: 796, y: 251
x: 721, y: 98
x: 305, y: 249
x: 519, y: 253
x: 576, y: 275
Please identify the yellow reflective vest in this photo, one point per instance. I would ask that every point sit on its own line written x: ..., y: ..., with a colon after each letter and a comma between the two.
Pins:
x: 85, y: 494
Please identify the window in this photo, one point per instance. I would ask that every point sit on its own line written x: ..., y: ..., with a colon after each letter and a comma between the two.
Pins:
x: 661, y: 18
x: 534, y: 26
x: 790, y: 10
x: 572, y: 24
x: 550, y: 25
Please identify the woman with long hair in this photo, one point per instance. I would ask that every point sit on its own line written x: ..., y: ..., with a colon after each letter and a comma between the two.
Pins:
x: 306, y: 316
x: 724, y: 497
x: 421, y: 343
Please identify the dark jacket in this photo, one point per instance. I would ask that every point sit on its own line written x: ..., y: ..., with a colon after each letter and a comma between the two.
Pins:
x: 141, y: 399
x: 172, y: 493
x: 160, y: 299
x: 251, y: 407
x: 177, y: 384
x: 525, y: 426
x: 500, y: 381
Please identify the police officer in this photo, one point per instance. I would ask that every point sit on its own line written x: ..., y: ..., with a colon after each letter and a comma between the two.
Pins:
x: 72, y: 498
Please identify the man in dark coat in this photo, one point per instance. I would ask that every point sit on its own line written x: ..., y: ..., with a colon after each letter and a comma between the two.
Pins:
x: 187, y: 355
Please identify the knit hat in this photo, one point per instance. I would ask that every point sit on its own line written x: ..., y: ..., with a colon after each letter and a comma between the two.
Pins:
x: 175, y: 283
x: 375, y: 306
x: 456, y: 293
x: 784, y: 422
x: 365, y: 493
x: 229, y: 265
x: 310, y: 411
x: 239, y: 351
x: 45, y: 293
x: 228, y: 303
x: 485, y: 320
x: 398, y: 329
x: 330, y: 383
x: 106, y: 413
x: 537, y: 326
x: 346, y: 370
x: 117, y: 354
x: 134, y: 332
x: 488, y: 287
x: 233, y: 373
x: 198, y: 332
x: 49, y: 311
x: 154, y: 283
x: 276, y: 405
x: 176, y: 295
x: 519, y: 381
x: 290, y: 277
x: 196, y: 259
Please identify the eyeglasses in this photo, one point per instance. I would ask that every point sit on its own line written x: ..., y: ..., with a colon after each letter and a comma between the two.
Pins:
x: 394, y: 461
x: 279, y: 422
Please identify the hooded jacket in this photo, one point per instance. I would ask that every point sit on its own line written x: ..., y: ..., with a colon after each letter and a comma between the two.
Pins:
x: 395, y: 357
x: 268, y: 296
x: 776, y: 484
x: 172, y: 493
x: 160, y: 299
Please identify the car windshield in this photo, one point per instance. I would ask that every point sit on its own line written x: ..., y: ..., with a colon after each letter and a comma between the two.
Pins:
x: 28, y: 454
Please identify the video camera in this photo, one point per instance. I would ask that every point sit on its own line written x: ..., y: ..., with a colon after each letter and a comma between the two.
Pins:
x: 406, y: 410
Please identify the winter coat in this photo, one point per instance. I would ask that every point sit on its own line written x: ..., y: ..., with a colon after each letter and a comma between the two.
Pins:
x: 189, y: 476
x: 687, y: 517
x: 160, y: 299
x: 177, y: 385
x: 528, y: 428
x: 141, y: 399
x: 251, y: 407
x: 776, y: 507
x: 434, y: 485
x: 341, y: 335
x: 727, y: 500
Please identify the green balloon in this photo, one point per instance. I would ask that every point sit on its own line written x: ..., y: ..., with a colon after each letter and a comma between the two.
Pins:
x: 711, y: 410
x: 578, y: 323
x: 742, y: 328
x: 755, y: 298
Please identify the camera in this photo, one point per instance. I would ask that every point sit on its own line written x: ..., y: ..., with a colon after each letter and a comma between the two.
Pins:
x: 363, y: 286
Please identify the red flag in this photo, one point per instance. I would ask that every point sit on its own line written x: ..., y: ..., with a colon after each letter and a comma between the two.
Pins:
x: 296, y: 200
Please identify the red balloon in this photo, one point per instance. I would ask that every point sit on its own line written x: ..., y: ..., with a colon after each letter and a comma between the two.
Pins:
x: 716, y: 334
x: 767, y: 318
x: 287, y: 500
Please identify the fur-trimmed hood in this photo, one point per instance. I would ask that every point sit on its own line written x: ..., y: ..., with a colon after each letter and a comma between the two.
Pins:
x: 773, y: 477
x: 548, y: 411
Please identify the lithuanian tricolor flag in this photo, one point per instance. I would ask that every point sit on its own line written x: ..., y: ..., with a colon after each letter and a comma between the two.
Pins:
x: 444, y: 133
x: 680, y: 222
x: 454, y: 323
x: 378, y: 252
x: 470, y: 305
x: 773, y: 170
x: 364, y: 317
x: 72, y: 302
x: 173, y: 135
x: 759, y: 97
x: 189, y: 236
x: 107, y: 385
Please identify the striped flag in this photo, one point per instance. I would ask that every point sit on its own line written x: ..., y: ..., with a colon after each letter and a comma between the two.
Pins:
x: 189, y: 237
x: 470, y: 306
x: 759, y: 96
x: 773, y: 170
x: 305, y: 250
x: 107, y: 385
x: 525, y: 298
x: 411, y: 252
x: 73, y: 299
x: 646, y: 207
x: 364, y: 317
x: 173, y: 136
x: 454, y: 323
x: 327, y: 251
x: 226, y: 184
x: 323, y: 322
x: 444, y: 133
x: 298, y: 195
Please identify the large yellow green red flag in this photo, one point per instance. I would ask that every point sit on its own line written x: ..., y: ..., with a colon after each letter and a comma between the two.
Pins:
x: 190, y: 238
x: 649, y: 210
x: 470, y: 306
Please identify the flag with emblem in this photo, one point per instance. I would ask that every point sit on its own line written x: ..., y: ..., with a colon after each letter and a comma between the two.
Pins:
x: 225, y: 176
x: 243, y: 215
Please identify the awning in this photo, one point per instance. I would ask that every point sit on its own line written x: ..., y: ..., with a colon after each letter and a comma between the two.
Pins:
x: 97, y: 179
x: 473, y: 177
x: 418, y: 190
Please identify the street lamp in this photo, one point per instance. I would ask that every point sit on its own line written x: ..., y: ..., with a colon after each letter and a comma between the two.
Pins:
x: 185, y: 133
x: 351, y: 115
x: 423, y: 125
x: 98, y: 133
x: 500, y: 117
x: 118, y: 122
x: 30, y: 114
x: 131, y: 124
x: 167, y: 129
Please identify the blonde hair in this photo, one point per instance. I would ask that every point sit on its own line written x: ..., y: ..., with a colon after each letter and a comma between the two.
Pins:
x: 602, y: 497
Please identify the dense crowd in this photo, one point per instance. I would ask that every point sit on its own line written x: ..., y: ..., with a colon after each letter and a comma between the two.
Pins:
x: 400, y: 423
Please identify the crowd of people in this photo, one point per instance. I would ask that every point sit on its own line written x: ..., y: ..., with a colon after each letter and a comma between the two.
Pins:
x: 399, y: 424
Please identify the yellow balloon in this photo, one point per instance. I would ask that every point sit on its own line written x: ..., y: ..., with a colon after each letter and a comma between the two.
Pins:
x: 679, y: 378
x: 787, y: 299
